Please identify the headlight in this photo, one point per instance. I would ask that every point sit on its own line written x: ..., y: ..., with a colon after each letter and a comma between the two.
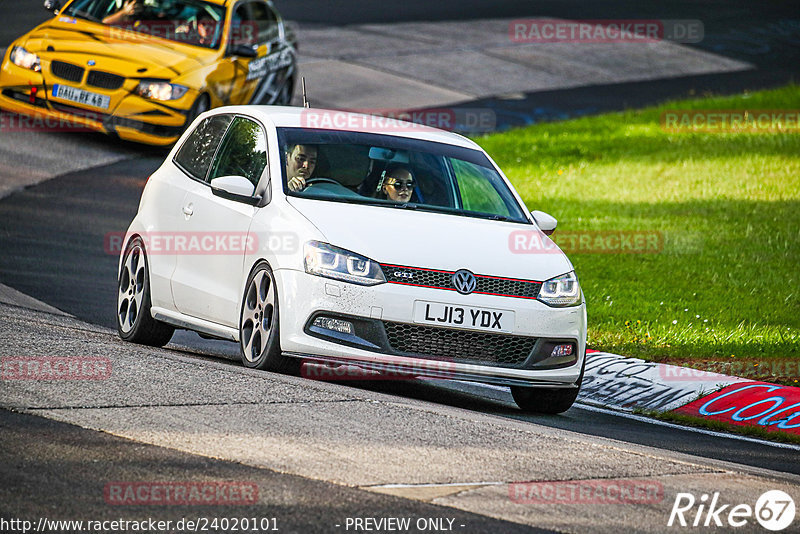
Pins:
x: 22, y: 58
x: 326, y: 260
x: 561, y: 291
x: 158, y: 90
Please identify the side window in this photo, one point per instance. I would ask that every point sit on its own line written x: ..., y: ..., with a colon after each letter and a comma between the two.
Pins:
x: 477, y: 190
x: 266, y: 22
x: 197, y: 151
x: 243, y: 28
x: 243, y: 152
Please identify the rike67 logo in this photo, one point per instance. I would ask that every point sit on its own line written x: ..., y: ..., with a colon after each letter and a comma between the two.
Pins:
x: 774, y: 510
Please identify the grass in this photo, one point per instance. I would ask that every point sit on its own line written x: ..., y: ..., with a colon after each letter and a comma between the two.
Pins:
x: 725, y: 282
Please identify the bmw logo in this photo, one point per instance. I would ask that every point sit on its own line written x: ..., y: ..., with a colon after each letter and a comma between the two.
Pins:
x: 91, y: 63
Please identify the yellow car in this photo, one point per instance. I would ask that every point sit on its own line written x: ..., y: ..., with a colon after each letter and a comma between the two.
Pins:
x: 144, y: 69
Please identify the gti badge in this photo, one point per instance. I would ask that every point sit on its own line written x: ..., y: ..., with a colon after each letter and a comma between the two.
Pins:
x: 464, y: 281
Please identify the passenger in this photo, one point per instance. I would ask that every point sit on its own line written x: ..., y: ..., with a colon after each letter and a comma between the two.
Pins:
x: 129, y: 11
x: 300, y: 163
x: 397, y: 184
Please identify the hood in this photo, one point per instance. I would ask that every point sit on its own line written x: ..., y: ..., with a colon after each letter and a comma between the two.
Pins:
x: 436, y: 241
x: 124, y: 52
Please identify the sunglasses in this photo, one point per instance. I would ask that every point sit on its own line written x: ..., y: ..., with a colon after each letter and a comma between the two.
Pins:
x: 398, y: 185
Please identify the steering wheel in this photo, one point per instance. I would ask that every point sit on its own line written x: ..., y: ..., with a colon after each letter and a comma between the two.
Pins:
x: 314, y: 181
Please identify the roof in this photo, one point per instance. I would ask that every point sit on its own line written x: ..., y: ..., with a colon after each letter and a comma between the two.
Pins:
x: 333, y: 119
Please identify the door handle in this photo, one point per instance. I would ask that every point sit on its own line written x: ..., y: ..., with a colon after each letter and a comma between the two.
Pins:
x: 188, y: 211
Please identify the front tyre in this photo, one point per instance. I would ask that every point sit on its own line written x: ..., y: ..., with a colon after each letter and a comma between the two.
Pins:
x: 134, y: 322
x: 259, y: 335
x: 547, y: 400
x: 544, y: 400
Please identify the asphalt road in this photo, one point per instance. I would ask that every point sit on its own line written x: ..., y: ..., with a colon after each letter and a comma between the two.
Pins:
x: 33, y: 470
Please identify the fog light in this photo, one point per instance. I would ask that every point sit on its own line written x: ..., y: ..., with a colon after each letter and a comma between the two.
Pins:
x: 561, y: 350
x: 337, y: 325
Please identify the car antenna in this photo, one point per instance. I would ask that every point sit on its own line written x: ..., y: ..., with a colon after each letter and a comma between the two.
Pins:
x: 305, y: 100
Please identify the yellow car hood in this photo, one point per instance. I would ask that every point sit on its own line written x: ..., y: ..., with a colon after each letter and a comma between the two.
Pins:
x: 132, y: 54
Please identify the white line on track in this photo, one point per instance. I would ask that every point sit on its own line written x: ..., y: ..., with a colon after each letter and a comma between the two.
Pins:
x: 650, y: 420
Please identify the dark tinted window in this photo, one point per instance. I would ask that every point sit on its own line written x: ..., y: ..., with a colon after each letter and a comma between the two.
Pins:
x: 266, y: 22
x: 243, y: 152
x: 197, y: 151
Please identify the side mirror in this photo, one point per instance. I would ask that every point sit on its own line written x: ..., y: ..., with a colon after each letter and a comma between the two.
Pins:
x: 546, y: 223
x: 52, y: 5
x: 241, y: 51
x: 236, y: 188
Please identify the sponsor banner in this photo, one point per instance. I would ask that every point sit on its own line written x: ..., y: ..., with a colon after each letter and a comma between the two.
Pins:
x: 618, y: 491
x: 55, y: 368
x: 770, y: 406
x: 605, y: 31
x: 180, y: 493
x: 730, y: 120
x: 630, y: 383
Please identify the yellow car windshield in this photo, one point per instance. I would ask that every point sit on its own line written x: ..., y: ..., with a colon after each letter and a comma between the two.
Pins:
x: 187, y: 21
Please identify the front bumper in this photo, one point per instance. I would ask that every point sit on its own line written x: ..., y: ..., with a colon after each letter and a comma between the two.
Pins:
x: 25, y: 92
x: 302, y: 297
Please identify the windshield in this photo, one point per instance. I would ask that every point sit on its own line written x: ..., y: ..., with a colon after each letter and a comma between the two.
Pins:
x: 394, y: 172
x: 187, y: 21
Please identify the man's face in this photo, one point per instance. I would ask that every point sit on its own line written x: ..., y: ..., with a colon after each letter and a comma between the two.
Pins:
x: 301, y: 162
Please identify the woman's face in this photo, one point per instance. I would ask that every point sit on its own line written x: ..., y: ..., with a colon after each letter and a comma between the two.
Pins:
x: 398, y: 186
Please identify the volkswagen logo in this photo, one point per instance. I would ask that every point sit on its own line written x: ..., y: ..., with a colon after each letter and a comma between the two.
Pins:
x: 464, y: 281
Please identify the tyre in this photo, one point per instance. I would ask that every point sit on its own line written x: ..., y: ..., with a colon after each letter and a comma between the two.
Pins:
x: 259, y: 334
x: 199, y: 106
x: 134, y: 322
x: 547, y: 400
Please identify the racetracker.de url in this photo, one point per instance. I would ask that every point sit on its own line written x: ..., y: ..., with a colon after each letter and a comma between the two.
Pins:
x: 192, y: 524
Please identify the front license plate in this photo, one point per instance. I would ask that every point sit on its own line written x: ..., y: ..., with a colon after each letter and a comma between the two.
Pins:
x: 470, y: 317
x: 73, y: 94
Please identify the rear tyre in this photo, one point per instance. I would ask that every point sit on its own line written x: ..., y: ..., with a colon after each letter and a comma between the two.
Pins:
x: 259, y: 335
x: 134, y: 322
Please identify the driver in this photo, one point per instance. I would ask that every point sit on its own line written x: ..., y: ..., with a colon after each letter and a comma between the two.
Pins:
x: 129, y: 11
x: 300, y: 163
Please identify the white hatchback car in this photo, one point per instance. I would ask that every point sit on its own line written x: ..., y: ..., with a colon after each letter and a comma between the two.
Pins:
x: 395, y: 251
